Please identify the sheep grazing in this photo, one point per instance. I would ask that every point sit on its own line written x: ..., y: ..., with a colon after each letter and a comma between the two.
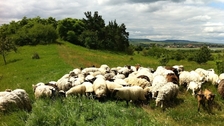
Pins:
x: 186, y: 77
x: 221, y: 88
x: 213, y: 78
x: 42, y: 91
x: 16, y: 99
x: 89, y: 89
x: 167, y: 93
x: 63, y: 83
x: 138, y: 81
x: 194, y: 87
x: 158, y: 82
x: 100, y: 87
x: 111, y: 86
x: 76, y: 90
x: 134, y: 93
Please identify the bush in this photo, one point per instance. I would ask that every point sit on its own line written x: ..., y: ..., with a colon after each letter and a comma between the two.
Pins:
x: 35, y: 56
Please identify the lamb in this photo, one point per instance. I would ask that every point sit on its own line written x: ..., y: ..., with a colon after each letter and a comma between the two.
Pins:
x: 16, y: 99
x: 167, y: 93
x: 221, y: 88
x: 133, y: 93
x: 41, y: 91
x: 76, y: 90
x: 194, y: 86
x: 100, y: 87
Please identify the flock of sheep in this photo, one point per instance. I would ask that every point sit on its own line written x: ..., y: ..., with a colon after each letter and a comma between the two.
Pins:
x: 135, y: 84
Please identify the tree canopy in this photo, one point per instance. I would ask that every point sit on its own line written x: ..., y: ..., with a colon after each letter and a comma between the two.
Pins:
x: 90, y: 32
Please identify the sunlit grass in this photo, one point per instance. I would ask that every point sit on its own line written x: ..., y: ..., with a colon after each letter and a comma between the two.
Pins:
x: 56, y: 60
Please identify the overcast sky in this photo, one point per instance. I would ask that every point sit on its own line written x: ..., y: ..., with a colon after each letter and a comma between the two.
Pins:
x: 196, y: 20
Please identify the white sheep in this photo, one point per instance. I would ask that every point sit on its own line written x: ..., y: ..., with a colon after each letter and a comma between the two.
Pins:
x: 135, y: 81
x: 221, y: 76
x: 41, y: 91
x: 7, y: 91
x: 112, y: 85
x: 203, y: 73
x: 167, y: 93
x: 186, y: 77
x: 213, y: 78
x: 121, y: 82
x: 157, y: 83
x: 76, y: 90
x: 194, y: 86
x: 16, y: 99
x: 89, y: 69
x: 63, y: 83
x: 134, y: 93
x: 89, y: 88
x: 100, y: 87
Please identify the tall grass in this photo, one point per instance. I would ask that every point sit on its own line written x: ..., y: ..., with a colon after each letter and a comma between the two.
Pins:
x: 74, y: 111
x: 56, y: 60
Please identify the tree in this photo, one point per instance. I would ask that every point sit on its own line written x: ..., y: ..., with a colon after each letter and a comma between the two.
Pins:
x: 6, y: 45
x: 70, y: 29
x: 164, y: 59
x: 203, y: 55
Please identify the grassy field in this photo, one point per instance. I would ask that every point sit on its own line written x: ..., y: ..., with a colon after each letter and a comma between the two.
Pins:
x: 56, y: 60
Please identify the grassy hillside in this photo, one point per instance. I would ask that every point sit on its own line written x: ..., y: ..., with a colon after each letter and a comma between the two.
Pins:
x: 56, y: 60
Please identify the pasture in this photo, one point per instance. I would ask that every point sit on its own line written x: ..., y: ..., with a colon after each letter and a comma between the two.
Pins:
x: 56, y: 60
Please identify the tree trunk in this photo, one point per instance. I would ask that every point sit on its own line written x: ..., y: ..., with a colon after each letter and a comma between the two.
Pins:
x: 3, y: 55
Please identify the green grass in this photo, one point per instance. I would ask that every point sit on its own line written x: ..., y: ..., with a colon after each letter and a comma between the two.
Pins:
x: 56, y: 60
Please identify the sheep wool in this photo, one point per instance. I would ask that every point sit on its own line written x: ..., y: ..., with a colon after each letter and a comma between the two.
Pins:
x: 133, y: 93
x: 17, y: 99
x: 166, y: 93
x: 76, y: 90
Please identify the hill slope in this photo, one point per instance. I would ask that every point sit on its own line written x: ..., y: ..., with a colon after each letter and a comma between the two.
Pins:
x: 56, y: 60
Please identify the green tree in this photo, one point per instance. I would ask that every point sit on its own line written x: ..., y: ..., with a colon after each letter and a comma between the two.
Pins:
x: 94, y: 24
x: 6, y: 45
x: 203, y: 55
x: 70, y: 29
x: 164, y: 59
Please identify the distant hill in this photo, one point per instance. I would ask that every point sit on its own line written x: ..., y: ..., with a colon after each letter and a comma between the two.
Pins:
x: 148, y: 40
x: 183, y: 41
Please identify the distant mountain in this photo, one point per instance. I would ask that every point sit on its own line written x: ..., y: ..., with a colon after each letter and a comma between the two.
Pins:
x: 185, y: 41
x: 139, y: 40
x: 148, y: 40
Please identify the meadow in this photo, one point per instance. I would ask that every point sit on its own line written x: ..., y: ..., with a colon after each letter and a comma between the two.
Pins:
x: 58, y: 59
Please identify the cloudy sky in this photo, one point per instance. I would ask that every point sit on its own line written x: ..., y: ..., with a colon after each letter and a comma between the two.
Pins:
x: 196, y: 20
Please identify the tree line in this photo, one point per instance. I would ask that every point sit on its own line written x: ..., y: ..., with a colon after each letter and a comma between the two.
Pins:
x: 90, y: 32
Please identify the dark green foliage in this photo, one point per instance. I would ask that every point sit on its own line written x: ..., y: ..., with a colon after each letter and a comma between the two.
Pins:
x: 6, y: 43
x: 164, y: 59
x: 90, y: 32
x: 70, y: 29
x: 203, y: 55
